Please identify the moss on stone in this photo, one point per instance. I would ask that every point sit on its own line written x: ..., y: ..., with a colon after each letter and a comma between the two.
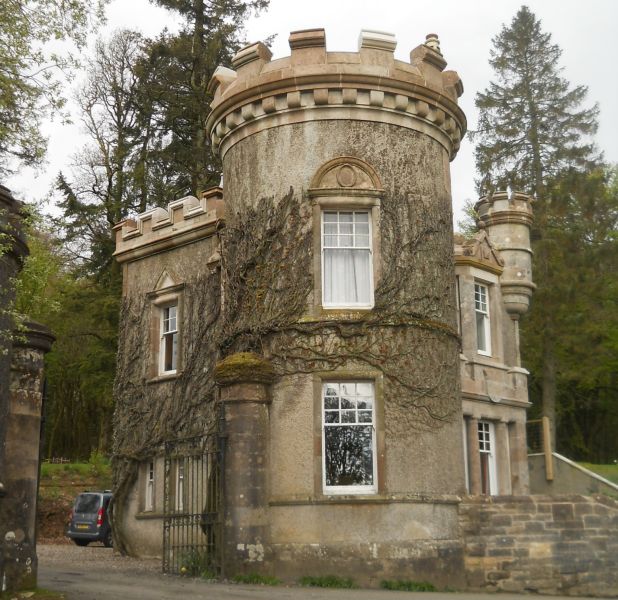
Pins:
x: 244, y: 367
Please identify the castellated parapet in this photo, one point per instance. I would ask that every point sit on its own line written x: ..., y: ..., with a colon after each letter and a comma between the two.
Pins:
x: 157, y: 229
x: 315, y: 85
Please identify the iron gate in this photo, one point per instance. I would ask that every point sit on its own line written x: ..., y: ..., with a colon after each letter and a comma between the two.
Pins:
x: 191, y: 506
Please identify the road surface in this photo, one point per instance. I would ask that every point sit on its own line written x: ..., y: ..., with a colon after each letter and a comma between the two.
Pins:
x: 96, y: 573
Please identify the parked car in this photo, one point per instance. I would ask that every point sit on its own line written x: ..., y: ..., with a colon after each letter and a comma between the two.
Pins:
x: 90, y: 519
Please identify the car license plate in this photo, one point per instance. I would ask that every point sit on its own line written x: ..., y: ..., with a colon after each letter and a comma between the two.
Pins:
x: 82, y: 527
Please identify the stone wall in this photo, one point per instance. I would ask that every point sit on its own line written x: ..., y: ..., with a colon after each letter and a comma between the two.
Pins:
x: 569, y: 478
x: 544, y: 544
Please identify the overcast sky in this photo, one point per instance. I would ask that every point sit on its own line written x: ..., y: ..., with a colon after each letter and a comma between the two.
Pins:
x: 586, y: 32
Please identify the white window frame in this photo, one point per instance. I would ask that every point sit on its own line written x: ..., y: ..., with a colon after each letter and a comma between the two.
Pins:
x: 487, y: 446
x: 167, y: 336
x: 369, y: 247
x: 350, y: 489
x: 150, y: 483
x: 482, y: 307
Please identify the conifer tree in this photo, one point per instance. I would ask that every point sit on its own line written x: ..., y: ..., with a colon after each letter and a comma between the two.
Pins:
x: 531, y: 122
x: 175, y: 77
x: 532, y: 128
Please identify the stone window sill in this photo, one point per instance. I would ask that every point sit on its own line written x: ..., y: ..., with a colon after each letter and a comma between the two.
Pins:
x: 168, y: 377
x: 366, y: 499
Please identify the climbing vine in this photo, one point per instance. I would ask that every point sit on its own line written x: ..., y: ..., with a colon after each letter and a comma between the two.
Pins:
x: 258, y: 302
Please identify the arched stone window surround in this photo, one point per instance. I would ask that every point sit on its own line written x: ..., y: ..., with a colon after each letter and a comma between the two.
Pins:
x: 345, y: 183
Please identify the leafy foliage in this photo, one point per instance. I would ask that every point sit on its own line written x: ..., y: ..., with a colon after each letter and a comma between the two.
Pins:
x: 30, y: 86
x: 405, y: 585
x: 257, y: 579
x: 327, y: 581
x: 82, y: 314
x: 576, y: 305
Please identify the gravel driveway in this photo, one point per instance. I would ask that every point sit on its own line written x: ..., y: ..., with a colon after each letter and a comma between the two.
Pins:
x: 96, y: 573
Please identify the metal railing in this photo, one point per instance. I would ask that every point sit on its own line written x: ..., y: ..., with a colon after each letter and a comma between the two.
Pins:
x: 191, y: 506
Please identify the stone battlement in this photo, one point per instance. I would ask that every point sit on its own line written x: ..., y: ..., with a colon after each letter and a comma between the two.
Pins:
x: 502, y: 207
x: 313, y: 84
x: 157, y: 229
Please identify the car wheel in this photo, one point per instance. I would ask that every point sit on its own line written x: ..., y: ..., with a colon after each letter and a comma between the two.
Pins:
x: 108, y: 540
x: 81, y: 542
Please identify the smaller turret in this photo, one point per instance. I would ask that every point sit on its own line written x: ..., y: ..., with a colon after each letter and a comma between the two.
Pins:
x: 507, y: 219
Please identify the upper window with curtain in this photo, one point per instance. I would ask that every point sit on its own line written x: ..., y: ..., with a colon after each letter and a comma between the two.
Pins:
x: 347, y: 269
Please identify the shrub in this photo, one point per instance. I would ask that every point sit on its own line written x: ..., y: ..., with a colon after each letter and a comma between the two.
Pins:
x: 408, y: 586
x: 257, y: 579
x: 327, y: 581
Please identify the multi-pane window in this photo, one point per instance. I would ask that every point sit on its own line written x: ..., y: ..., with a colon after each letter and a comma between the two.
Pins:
x: 488, y: 459
x: 348, y: 440
x: 347, y: 271
x: 481, y: 310
x: 150, y: 475
x: 168, y: 350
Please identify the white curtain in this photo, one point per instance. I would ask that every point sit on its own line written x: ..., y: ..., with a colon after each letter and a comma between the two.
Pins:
x: 347, y: 276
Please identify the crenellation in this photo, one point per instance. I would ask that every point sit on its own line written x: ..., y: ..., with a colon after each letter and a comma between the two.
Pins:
x: 255, y: 54
x: 182, y: 217
x: 307, y: 38
x: 376, y: 40
x: 336, y: 85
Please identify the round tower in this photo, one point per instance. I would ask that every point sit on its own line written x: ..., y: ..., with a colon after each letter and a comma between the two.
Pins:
x: 508, y: 218
x: 338, y: 267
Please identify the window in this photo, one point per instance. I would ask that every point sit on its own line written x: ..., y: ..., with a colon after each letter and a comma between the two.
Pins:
x: 347, y: 270
x: 149, y: 497
x: 489, y: 482
x: 481, y: 308
x: 348, y: 438
x: 180, y: 485
x: 168, y: 349
x: 166, y: 332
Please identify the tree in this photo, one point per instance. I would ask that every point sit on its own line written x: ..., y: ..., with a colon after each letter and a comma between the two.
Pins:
x: 79, y: 370
x: 108, y: 176
x: 29, y: 84
x: 531, y: 124
x: 175, y: 77
x: 531, y: 129
x: 144, y: 107
x: 580, y: 289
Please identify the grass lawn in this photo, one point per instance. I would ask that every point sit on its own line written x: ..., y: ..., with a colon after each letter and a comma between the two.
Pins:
x: 97, y: 468
x: 610, y: 472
